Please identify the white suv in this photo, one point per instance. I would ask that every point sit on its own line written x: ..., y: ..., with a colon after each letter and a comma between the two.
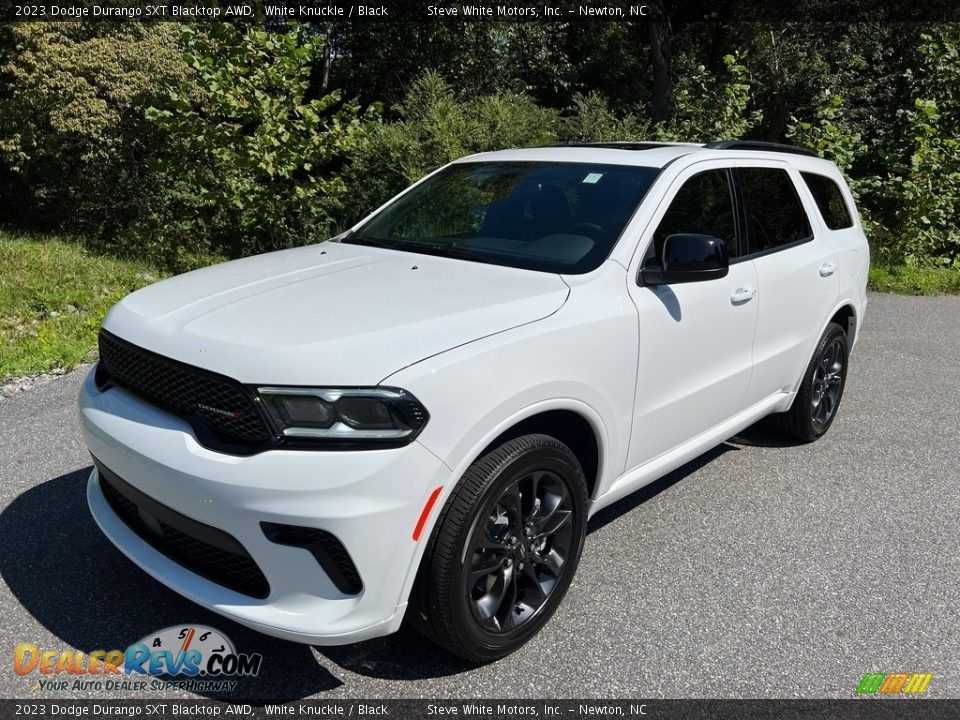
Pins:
x: 417, y: 418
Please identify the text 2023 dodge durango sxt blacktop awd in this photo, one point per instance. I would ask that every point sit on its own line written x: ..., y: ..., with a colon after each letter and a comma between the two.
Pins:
x: 417, y: 418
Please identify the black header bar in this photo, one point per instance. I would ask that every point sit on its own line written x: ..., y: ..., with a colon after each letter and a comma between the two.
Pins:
x: 864, y: 709
x: 324, y: 11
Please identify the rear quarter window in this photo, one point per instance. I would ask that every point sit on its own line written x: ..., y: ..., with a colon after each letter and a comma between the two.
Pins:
x: 774, y: 214
x: 830, y: 201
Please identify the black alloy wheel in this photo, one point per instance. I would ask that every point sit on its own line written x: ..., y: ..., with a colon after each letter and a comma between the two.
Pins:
x: 504, y: 549
x: 517, y: 551
x: 826, y: 384
x: 815, y: 406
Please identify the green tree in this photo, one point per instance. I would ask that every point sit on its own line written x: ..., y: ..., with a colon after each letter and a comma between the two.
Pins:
x: 906, y: 178
x: 927, y: 181
x: 73, y: 138
x: 436, y: 126
x: 591, y: 119
x: 711, y: 107
x: 256, y: 161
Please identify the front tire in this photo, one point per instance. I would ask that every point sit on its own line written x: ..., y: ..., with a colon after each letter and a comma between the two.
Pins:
x: 815, y: 405
x: 504, y: 549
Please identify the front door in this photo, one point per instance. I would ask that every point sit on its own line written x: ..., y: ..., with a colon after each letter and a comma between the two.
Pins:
x: 696, y: 338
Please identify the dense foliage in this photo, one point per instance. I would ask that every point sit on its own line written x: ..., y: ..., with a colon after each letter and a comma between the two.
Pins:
x: 255, y: 162
x: 74, y: 140
x: 182, y: 143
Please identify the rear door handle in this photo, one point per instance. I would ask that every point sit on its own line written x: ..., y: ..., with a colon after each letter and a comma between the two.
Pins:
x: 742, y: 295
x: 828, y: 269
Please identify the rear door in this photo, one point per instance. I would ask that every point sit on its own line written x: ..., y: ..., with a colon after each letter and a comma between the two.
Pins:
x: 797, y: 276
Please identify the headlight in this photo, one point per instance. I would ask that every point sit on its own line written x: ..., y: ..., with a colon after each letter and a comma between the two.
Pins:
x: 344, y: 415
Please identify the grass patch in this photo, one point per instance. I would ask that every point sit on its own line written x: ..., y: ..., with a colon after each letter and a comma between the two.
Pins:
x: 910, y: 280
x: 53, y: 296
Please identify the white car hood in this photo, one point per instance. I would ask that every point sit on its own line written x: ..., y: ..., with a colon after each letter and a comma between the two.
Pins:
x: 329, y: 314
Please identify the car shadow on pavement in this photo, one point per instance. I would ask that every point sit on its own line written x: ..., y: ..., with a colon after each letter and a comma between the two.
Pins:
x: 760, y: 434
x: 76, y: 584
x: 763, y: 434
x: 405, y: 655
x: 634, y: 500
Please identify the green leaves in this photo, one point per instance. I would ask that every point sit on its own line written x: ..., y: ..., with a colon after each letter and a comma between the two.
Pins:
x: 591, y: 119
x: 434, y: 127
x: 925, y: 179
x: 72, y: 126
x: 180, y: 141
x: 711, y: 107
x: 253, y: 147
x: 907, y: 181
x: 829, y: 134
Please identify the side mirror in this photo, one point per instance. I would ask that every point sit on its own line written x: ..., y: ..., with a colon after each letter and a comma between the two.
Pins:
x: 687, y: 258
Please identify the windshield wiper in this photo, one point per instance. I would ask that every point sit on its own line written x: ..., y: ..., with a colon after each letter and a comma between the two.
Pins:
x: 452, y: 251
x: 371, y: 241
x: 425, y: 248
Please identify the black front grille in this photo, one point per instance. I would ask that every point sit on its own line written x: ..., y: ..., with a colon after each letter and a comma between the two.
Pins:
x: 208, y: 400
x: 201, y: 548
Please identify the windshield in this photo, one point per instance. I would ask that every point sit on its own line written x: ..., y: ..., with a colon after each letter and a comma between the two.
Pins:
x: 554, y: 217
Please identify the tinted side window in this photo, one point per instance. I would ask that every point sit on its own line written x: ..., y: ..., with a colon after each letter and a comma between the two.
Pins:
x: 703, y: 206
x: 829, y: 200
x: 775, y: 216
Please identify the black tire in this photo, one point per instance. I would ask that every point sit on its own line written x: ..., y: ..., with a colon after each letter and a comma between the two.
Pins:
x: 815, y: 405
x: 484, y: 515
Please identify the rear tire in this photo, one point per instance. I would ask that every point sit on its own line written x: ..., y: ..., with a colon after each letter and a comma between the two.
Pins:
x: 815, y: 405
x: 504, y: 549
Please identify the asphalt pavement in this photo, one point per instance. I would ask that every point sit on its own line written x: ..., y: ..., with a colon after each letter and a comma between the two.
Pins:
x: 762, y: 569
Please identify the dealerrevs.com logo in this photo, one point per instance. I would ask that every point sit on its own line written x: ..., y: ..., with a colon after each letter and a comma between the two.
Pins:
x: 196, y: 657
x: 894, y: 683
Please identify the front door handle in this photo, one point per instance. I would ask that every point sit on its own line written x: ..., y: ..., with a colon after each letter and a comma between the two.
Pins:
x: 828, y: 269
x: 742, y: 295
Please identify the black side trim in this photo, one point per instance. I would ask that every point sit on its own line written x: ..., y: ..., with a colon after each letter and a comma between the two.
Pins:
x: 771, y: 251
x: 326, y: 549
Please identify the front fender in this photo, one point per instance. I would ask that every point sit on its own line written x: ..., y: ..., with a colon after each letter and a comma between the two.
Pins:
x: 581, y: 359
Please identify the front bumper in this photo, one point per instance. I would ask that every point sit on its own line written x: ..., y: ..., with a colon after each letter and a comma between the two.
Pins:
x: 370, y: 501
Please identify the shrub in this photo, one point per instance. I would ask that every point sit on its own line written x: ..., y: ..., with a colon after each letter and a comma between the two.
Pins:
x: 926, y: 183
x: 435, y: 127
x: 73, y: 137
x: 709, y: 107
x: 590, y: 119
x: 254, y: 159
x: 911, y: 211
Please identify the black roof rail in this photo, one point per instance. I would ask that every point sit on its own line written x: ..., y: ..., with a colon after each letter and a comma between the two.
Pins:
x: 759, y: 145
x: 627, y: 145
